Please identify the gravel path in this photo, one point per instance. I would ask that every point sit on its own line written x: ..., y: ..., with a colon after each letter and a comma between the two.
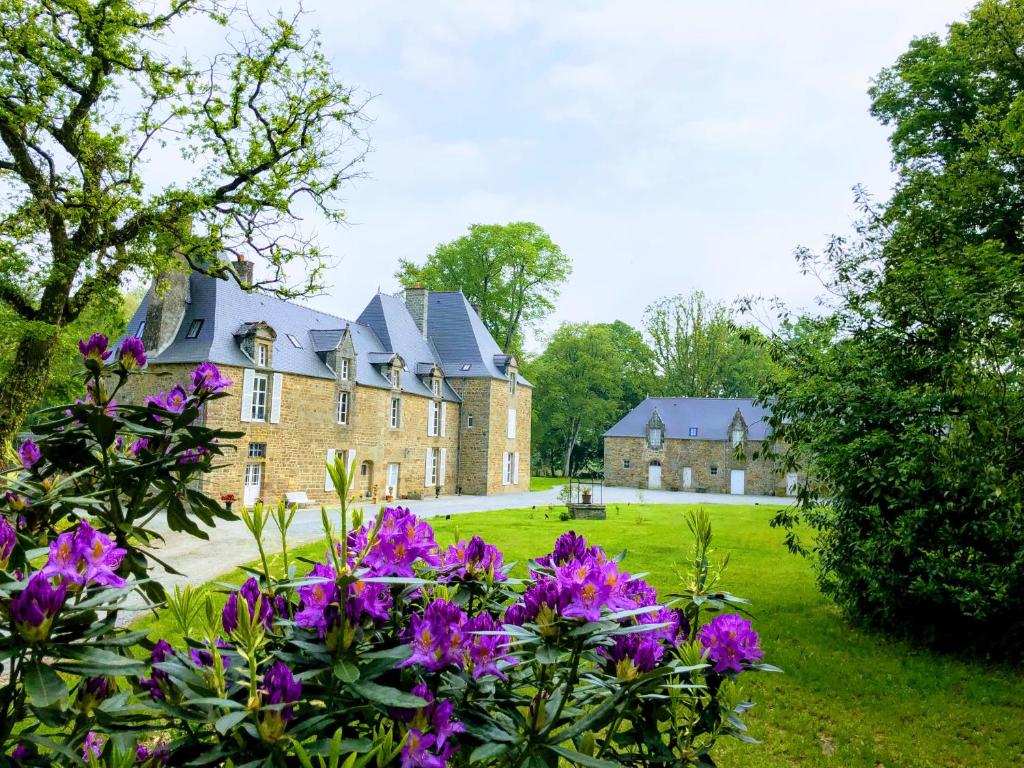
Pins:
x: 231, y: 545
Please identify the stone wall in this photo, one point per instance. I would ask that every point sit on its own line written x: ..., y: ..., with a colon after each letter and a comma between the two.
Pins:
x: 296, y: 447
x: 701, y: 456
x: 484, y: 443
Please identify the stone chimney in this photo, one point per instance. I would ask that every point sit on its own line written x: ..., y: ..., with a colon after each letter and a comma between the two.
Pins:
x: 244, y: 270
x: 168, y: 298
x: 418, y: 306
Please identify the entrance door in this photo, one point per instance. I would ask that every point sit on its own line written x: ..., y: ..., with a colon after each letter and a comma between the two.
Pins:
x: 792, y: 483
x: 366, y: 478
x: 687, y: 477
x: 392, y: 481
x: 253, y: 481
x: 654, y: 475
x: 737, y: 479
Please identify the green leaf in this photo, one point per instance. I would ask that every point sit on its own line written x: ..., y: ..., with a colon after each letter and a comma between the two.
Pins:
x: 391, y: 697
x: 487, y: 752
x: 226, y: 722
x: 548, y: 654
x: 43, y: 686
x: 346, y: 671
x: 578, y: 758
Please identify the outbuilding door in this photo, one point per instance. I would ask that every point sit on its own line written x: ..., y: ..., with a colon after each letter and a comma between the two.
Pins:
x: 654, y: 475
x: 737, y: 481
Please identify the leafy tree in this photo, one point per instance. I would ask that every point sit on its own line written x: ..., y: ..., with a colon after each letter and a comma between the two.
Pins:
x: 701, y: 352
x: 513, y: 272
x: 88, y: 96
x: 638, y: 366
x: 909, y: 395
x: 578, y: 384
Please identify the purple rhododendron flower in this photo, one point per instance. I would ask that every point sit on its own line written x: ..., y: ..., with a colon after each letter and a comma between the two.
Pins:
x: 158, y: 681
x: 206, y: 379
x: 96, y: 688
x: 203, y: 657
x: 29, y: 453
x: 64, y: 559
x: 35, y: 606
x: 23, y: 752
x: 417, y: 751
x: 85, y: 556
x: 8, y: 537
x: 250, y: 591
x: 402, y: 540
x: 472, y: 559
x: 634, y: 653
x: 484, y: 651
x: 173, y: 401
x: 159, y: 755
x: 368, y: 599
x: 139, y: 445
x: 317, y: 597
x: 280, y: 690
x: 730, y: 642
x: 95, y: 348
x: 93, y: 745
x: 568, y: 547
x: 15, y: 502
x: 132, y: 353
x: 437, y: 637
x: 430, y: 729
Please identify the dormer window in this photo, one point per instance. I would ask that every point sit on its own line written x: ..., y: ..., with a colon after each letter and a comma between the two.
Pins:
x: 435, y: 386
x: 654, y: 436
x: 262, y: 354
x: 512, y: 384
x: 655, y: 432
x: 737, y: 437
x: 345, y: 369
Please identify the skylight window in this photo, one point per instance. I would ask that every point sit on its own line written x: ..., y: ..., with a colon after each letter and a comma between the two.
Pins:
x: 294, y: 341
x: 693, y: 431
x: 142, y: 328
x: 193, y: 329
x: 466, y: 367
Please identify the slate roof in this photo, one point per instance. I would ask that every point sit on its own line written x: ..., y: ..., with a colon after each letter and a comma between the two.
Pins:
x: 712, y: 417
x: 457, y: 336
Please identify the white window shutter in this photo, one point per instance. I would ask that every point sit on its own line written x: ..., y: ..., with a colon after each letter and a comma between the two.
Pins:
x: 440, y: 471
x: 430, y: 418
x: 350, y: 466
x: 275, y: 399
x: 444, y: 417
x: 426, y: 469
x: 248, y: 375
x: 328, y: 485
x: 515, y: 469
x: 511, y: 423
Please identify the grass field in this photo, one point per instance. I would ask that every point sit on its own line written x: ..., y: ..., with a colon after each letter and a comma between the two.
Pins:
x: 546, y: 483
x: 847, y: 698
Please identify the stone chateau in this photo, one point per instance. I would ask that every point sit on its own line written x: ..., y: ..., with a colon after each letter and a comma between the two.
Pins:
x: 414, y: 393
x: 694, y: 444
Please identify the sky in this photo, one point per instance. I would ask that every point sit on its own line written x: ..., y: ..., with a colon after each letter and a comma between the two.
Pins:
x: 665, y: 146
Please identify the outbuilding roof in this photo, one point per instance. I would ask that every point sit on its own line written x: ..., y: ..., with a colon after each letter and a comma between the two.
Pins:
x: 711, y: 417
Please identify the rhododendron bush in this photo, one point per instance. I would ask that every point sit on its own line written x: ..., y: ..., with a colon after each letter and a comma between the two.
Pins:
x: 389, y: 650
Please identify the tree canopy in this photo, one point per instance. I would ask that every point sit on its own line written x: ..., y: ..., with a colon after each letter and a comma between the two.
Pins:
x: 700, y: 350
x: 90, y: 96
x: 908, y: 397
x: 513, y: 272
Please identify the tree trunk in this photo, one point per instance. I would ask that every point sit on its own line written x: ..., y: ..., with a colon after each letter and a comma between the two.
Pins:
x: 573, y: 435
x: 24, y: 383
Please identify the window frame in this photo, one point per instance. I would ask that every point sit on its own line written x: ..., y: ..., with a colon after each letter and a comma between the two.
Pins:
x: 294, y: 340
x: 692, y: 432
x: 194, y: 328
x: 625, y: 464
x: 257, y: 450
x: 512, y: 384
x: 262, y: 354
x: 142, y: 329
x: 736, y: 441
x: 435, y: 386
x: 435, y: 465
x: 651, y: 431
x: 434, y: 418
x: 341, y: 414
x: 395, y: 419
x: 343, y: 374
x: 260, y: 398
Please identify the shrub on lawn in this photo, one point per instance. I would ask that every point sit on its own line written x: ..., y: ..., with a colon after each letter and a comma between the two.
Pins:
x: 387, y: 651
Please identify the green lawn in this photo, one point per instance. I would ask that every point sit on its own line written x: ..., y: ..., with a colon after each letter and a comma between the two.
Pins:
x: 847, y: 698
x: 546, y: 483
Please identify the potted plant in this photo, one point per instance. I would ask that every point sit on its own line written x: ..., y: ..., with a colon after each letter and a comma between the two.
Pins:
x: 390, y: 495
x: 228, y: 499
x: 588, y: 494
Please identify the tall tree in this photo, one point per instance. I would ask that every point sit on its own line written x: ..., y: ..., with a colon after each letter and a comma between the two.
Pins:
x: 89, y: 96
x: 909, y: 396
x: 513, y: 272
x: 638, y: 368
x: 701, y: 352
x: 578, y: 383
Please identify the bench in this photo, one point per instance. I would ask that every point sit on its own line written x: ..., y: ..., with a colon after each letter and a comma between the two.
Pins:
x: 297, y: 498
